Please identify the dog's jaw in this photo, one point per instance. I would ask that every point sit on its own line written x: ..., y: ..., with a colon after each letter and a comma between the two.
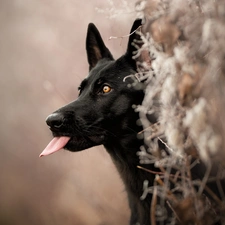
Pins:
x: 79, y: 143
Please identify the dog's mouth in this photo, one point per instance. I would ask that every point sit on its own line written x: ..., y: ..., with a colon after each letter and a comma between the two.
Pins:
x: 72, y: 137
x: 56, y: 144
x: 71, y: 143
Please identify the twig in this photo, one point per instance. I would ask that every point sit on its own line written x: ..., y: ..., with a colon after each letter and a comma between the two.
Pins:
x: 149, y: 127
x: 170, y: 206
x: 162, y: 174
x: 205, y: 179
x: 150, y: 171
x: 155, y: 135
x: 189, y: 176
x: 218, y: 182
x: 168, y: 192
x: 166, y: 144
x: 215, y: 197
x: 132, y: 75
x: 124, y: 36
x: 153, y: 204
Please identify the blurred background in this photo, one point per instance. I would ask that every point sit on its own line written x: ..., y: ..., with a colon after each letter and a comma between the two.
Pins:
x: 42, y: 61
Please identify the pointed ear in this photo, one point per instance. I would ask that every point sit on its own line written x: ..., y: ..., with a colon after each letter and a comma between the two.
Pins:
x: 95, y: 47
x: 134, y: 37
x: 135, y: 42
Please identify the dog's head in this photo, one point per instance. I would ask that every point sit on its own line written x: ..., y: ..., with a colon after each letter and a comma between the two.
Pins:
x: 103, y: 109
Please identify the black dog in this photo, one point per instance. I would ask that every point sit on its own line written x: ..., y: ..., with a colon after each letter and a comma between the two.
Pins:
x: 103, y: 114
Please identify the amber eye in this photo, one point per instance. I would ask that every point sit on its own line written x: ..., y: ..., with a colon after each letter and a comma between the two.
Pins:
x: 106, y: 89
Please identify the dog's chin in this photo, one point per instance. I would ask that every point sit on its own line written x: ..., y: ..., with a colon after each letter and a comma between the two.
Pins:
x: 81, y: 143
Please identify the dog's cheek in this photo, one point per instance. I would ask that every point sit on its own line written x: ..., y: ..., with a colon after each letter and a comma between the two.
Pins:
x: 120, y: 106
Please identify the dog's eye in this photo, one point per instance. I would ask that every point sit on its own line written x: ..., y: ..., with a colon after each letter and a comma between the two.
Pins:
x: 106, y: 89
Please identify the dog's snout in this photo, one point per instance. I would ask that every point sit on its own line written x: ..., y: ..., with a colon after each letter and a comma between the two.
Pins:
x: 55, y: 120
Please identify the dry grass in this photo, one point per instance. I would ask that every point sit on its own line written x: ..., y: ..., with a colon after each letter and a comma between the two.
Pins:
x: 184, y: 107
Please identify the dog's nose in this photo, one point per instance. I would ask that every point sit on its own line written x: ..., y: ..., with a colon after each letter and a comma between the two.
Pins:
x: 55, y: 120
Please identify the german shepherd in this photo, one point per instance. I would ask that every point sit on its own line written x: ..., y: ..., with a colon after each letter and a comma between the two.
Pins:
x: 103, y: 114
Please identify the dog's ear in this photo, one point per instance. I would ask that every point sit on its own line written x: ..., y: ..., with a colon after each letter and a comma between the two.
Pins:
x: 134, y: 43
x: 95, y: 46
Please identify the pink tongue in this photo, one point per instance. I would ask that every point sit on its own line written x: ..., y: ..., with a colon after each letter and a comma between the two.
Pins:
x: 55, y: 145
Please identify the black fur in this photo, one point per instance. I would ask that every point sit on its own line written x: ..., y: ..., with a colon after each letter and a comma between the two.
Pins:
x: 98, y: 118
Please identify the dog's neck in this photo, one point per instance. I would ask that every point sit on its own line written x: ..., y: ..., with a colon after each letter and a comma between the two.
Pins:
x: 123, y: 151
x: 124, y: 155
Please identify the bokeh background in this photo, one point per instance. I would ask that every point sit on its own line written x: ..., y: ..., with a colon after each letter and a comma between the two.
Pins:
x: 42, y: 61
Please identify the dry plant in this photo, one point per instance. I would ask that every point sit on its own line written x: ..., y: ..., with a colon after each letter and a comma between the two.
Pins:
x: 182, y: 64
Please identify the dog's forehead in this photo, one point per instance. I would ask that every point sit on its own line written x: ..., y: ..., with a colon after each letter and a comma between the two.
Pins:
x: 112, y: 68
x: 102, y: 69
x: 97, y: 72
x: 108, y: 70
